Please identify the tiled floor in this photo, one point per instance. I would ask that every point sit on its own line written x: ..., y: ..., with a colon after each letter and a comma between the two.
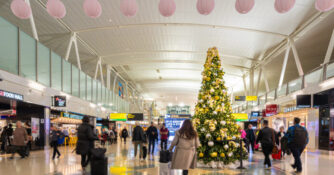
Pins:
x: 121, y: 161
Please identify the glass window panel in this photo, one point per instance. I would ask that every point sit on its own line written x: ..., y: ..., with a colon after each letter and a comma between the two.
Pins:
x: 8, y: 47
x: 75, y: 81
x: 43, y: 64
x: 89, y: 88
x: 103, y: 95
x: 66, y: 77
x: 82, y: 85
x: 98, y: 92
x: 330, y: 71
x: 295, y: 85
x: 282, y: 92
x: 56, y: 71
x: 94, y: 91
x: 27, y: 56
x: 313, y: 78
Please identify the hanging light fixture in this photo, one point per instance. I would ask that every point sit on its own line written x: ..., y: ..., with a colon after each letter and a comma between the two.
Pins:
x: 324, y: 5
x: 167, y: 7
x: 20, y: 9
x: 92, y: 8
x: 283, y: 6
x: 56, y: 8
x: 244, y: 6
x: 129, y: 8
x: 205, y: 7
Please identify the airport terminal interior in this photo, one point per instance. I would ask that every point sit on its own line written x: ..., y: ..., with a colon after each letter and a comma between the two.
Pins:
x: 166, y: 87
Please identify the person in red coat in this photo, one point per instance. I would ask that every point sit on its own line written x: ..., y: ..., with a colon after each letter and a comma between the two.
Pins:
x: 164, y: 136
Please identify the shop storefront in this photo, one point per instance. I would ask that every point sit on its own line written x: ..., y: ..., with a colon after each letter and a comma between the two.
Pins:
x: 13, y: 108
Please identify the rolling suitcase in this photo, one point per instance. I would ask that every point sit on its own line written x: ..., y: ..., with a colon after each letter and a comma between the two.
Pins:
x: 99, y: 166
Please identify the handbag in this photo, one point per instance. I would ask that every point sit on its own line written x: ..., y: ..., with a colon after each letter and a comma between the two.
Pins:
x: 275, y: 148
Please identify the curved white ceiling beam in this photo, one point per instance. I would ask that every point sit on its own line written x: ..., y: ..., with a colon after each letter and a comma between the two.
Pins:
x: 176, y: 51
x: 94, y: 29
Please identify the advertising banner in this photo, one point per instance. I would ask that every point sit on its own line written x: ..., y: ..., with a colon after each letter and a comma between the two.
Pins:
x: 173, y: 124
x: 59, y: 101
x: 35, y: 127
x: 136, y: 117
x: 271, y: 109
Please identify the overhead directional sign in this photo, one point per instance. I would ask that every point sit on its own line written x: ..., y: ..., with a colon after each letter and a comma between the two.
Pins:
x: 240, y: 116
x: 240, y: 98
x: 251, y: 98
x: 136, y: 117
x: 245, y: 98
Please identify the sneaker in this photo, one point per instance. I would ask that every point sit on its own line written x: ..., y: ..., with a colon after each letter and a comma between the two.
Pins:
x: 298, y: 172
x: 293, y: 166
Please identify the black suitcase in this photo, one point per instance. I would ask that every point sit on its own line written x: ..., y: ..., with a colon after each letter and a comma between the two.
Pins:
x: 99, y: 166
x: 165, y: 156
x: 144, y: 152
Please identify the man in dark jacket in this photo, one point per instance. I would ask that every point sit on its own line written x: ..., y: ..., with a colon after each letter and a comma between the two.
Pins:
x: 3, y: 139
x: 267, y: 138
x: 85, y: 142
x: 124, y: 134
x: 138, y: 138
x: 9, y: 133
x: 250, y: 135
x: 55, y: 136
x: 152, y: 133
x: 297, y: 141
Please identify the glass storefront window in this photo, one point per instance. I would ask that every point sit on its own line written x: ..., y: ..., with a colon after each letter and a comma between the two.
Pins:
x: 66, y: 77
x: 9, y: 47
x: 330, y: 71
x: 98, y: 99
x: 43, y: 65
x: 56, y: 71
x: 271, y: 96
x: 103, y: 95
x: 75, y: 81
x: 27, y: 56
x: 82, y: 85
x: 89, y: 88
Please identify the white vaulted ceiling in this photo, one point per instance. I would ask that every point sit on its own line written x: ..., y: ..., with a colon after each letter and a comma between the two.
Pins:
x: 165, y: 56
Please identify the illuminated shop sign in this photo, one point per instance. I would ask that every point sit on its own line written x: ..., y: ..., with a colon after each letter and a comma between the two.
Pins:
x: 11, y: 95
x: 70, y: 115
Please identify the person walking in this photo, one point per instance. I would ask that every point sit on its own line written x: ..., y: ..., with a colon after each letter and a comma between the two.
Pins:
x: 267, y: 138
x: 297, y: 141
x: 138, y: 139
x: 152, y: 133
x: 164, y: 136
x: 3, y: 139
x: 20, y: 140
x: 9, y: 133
x: 86, y: 138
x: 186, y: 142
x: 250, y: 135
x: 280, y: 135
x: 124, y: 134
x: 55, y: 136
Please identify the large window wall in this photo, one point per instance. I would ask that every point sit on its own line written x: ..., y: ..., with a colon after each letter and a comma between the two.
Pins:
x: 22, y: 55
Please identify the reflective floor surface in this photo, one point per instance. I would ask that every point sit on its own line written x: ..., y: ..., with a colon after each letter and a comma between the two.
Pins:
x: 121, y: 161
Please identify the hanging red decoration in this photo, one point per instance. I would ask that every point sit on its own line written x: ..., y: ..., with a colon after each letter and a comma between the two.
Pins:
x: 244, y: 6
x: 20, y: 9
x: 56, y: 8
x: 92, y: 8
x: 205, y: 7
x: 129, y: 8
x: 167, y: 7
x: 324, y: 5
x: 283, y: 6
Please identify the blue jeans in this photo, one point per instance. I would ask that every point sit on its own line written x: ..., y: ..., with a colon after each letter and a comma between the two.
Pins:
x: 296, y: 152
x: 151, y: 143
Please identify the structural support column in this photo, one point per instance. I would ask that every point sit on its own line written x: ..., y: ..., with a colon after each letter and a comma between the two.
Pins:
x: 251, y: 82
x: 286, y: 57
x: 32, y: 22
x: 258, y: 82
x: 265, y: 81
x: 108, y: 77
x: 99, y: 65
x: 329, y: 49
x: 73, y: 40
x: 245, y: 86
x: 296, y: 56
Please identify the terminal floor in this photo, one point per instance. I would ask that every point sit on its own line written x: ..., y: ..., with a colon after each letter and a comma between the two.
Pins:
x: 121, y: 161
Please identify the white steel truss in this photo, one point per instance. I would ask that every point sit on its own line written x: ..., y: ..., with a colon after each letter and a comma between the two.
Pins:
x: 330, y: 49
x: 73, y: 40
x: 32, y: 22
x: 296, y: 56
x: 286, y: 57
x: 99, y: 66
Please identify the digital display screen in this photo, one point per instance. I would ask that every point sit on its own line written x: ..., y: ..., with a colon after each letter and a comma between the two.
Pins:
x: 173, y: 124
x: 320, y: 100
x: 59, y: 101
x: 303, y: 101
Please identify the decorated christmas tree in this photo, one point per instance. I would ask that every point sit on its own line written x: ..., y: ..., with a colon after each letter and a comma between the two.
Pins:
x: 213, y: 118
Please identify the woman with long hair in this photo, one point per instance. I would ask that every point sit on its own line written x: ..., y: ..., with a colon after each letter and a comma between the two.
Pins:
x: 185, y: 142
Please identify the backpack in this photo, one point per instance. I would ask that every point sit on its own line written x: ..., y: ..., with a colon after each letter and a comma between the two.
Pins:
x: 124, y: 133
x: 300, y: 137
